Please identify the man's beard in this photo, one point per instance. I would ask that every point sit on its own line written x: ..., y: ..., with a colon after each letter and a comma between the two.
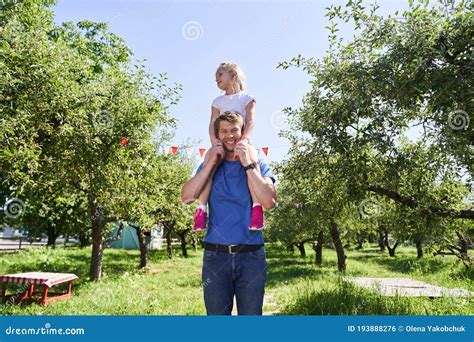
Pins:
x: 227, y: 150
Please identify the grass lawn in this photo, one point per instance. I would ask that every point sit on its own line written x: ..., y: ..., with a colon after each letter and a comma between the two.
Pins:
x: 294, y: 285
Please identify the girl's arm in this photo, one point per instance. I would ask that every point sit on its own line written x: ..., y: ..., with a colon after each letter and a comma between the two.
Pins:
x: 212, y: 132
x: 249, y: 120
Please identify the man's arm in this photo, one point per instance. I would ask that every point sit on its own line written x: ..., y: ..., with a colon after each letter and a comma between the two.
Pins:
x: 263, y: 188
x: 193, y: 187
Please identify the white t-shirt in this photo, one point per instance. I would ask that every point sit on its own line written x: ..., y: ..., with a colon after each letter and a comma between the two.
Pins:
x: 234, y: 102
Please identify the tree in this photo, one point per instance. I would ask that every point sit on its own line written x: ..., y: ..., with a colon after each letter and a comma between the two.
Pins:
x: 70, y: 94
x: 411, y: 70
x: 295, y: 220
x: 54, y: 213
x: 290, y: 221
x: 317, y: 182
x: 457, y: 246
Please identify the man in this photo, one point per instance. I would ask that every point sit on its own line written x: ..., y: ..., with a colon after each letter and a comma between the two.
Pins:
x: 234, y: 257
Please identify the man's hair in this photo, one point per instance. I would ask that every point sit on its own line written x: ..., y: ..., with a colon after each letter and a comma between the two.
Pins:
x: 229, y: 116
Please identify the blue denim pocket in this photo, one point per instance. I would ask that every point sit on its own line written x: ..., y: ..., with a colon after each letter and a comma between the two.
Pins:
x: 208, y: 255
x: 259, y: 253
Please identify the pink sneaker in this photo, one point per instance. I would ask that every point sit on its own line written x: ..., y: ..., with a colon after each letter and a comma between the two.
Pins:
x: 257, y: 221
x: 200, y: 220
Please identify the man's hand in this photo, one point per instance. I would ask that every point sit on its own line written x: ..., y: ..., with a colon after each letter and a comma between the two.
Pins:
x: 241, y: 152
x: 216, y: 152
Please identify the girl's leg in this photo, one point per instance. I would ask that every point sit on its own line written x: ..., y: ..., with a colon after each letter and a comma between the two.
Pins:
x: 257, y: 219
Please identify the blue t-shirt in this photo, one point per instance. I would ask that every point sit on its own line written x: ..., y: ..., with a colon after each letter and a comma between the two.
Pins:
x: 230, y: 205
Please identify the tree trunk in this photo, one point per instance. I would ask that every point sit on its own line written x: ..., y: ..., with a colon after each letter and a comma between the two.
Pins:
x: 464, y: 243
x: 301, y: 248
x: 360, y: 241
x: 318, y: 248
x: 83, y: 240
x: 391, y: 250
x: 336, y: 238
x: 52, y: 236
x: 97, y: 251
x: 182, y: 238
x: 66, y: 240
x: 419, y: 248
x: 143, y: 249
x: 460, y: 249
x: 381, y: 241
x: 169, y: 247
x: 95, y: 271
x: 193, y: 243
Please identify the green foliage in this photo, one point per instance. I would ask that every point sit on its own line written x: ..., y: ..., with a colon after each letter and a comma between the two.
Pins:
x: 398, y: 73
x: 70, y: 94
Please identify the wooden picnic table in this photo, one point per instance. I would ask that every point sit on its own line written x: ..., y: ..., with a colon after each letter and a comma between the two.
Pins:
x: 30, y: 279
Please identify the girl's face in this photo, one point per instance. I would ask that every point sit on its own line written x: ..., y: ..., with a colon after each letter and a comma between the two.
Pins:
x: 224, y: 80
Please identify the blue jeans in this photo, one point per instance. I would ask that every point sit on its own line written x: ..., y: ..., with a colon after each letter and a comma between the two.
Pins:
x: 225, y: 275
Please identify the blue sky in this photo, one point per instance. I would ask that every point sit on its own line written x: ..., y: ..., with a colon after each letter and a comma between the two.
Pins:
x: 188, y: 40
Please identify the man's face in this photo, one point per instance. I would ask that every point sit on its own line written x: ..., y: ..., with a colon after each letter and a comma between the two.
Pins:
x: 229, y: 134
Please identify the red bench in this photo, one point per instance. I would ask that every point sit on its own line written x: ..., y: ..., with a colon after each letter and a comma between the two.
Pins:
x: 29, y: 280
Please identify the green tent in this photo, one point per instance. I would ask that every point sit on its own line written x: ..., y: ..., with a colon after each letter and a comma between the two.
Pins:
x: 125, y: 238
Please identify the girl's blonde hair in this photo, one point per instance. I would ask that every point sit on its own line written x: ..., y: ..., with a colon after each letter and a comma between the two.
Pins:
x: 237, y: 74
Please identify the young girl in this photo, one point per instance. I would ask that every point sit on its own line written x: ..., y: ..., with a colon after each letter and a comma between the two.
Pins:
x: 231, y: 79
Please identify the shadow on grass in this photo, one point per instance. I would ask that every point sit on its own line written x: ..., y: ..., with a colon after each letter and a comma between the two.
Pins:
x: 285, y: 267
x: 405, y: 264
x: 366, y: 250
x: 76, y: 261
x: 287, y: 274
x: 115, y: 262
